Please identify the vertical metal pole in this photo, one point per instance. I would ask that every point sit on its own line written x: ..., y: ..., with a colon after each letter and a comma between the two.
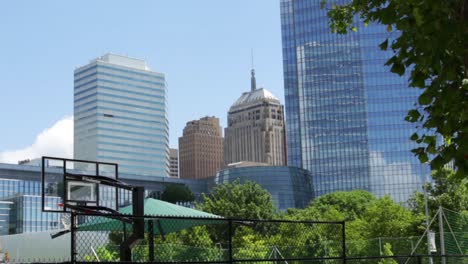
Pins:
x: 427, y: 226
x: 380, y: 246
x: 441, y: 233
x: 97, y: 185
x: 230, y: 240
x: 344, y: 242
x: 124, y: 231
x: 151, y: 239
x: 43, y: 183
x: 72, y: 238
x: 117, y: 189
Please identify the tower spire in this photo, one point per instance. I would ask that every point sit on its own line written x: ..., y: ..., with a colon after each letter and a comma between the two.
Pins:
x: 253, y: 82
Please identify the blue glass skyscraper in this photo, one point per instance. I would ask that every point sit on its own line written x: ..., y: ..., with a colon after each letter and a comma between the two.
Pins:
x: 344, y: 109
x: 120, y: 116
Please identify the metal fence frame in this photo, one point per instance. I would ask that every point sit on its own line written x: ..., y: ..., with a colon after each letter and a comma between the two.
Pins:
x: 230, y: 224
x: 343, y: 258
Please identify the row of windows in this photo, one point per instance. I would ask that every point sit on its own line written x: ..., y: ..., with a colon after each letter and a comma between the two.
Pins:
x: 99, y: 73
x: 124, y: 84
x: 118, y: 110
x: 96, y: 101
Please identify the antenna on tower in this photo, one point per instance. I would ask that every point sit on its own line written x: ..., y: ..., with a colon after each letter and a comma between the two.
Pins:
x: 253, y: 82
x: 252, y: 57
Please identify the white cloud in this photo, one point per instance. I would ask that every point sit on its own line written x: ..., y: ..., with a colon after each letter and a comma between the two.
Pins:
x: 56, y: 141
x: 393, y: 177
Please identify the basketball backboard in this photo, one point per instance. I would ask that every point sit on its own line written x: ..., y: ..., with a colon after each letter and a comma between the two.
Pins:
x: 78, y: 183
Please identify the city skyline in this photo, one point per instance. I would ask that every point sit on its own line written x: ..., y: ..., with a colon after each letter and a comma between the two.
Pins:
x: 192, y: 57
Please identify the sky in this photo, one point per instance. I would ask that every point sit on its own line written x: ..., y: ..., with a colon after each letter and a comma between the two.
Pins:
x: 203, y: 47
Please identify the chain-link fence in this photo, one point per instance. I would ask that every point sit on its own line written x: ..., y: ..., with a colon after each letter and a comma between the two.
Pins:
x: 97, y: 238
x: 407, y: 259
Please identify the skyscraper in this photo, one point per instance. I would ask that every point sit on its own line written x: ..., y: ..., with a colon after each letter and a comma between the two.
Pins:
x: 344, y: 109
x: 174, y: 163
x: 255, y: 130
x: 120, y: 115
x: 201, y: 149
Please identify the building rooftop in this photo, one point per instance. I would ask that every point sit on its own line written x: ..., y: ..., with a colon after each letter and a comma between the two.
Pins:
x: 254, y: 96
x: 124, y: 61
x: 242, y: 164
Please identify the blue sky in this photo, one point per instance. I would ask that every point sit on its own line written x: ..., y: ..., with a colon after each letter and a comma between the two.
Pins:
x: 203, y: 47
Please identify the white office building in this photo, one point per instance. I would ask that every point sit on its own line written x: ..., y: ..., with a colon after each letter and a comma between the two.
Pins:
x: 120, y: 115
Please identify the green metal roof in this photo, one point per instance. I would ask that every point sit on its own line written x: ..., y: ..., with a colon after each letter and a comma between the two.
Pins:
x: 153, y: 209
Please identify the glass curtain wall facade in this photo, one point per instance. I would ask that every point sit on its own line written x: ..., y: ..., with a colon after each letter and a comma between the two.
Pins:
x: 20, y: 204
x: 290, y: 187
x: 120, y: 116
x: 20, y: 197
x: 344, y: 109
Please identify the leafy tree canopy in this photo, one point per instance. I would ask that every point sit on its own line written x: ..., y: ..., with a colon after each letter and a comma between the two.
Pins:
x: 238, y: 200
x: 351, y: 204
x: 385, y: 218
x: 366, y: 216
x: 431, y: 45
x: 174, y: 193
x: 445, y: 191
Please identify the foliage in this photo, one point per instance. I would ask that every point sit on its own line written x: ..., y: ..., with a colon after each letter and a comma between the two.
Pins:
x: 105, y: 253
x: 351, y: 204
x: 174, y: 193
x: 236, y: 200
x: 446, y: 191
x: 367, y: 217
x: 385, y: 218
x: 247, y: 244
x: 387, y: 251
x: 431, y: 45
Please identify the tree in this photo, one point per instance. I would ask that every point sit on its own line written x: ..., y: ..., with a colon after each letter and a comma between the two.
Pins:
x: 385, y: 218
x: 367, y: 218
x: 351, y: 204
x: 431, y: 45
x: 236, y: 200
x: 387, y: 251
x: 174, y: 193
x: 446, y: 191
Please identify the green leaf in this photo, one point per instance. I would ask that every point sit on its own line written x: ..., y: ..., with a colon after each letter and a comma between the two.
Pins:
x: 423, y: 158
x: 425, y: 98
x: 419, y: 79
x: 398, y: 68
x: 413, y: 116
x: 354, y: 29
x: 384, y: 45
x: 437, y: 162
x: 389, y: 28
x: 417, y: 16
x: 414, y: 136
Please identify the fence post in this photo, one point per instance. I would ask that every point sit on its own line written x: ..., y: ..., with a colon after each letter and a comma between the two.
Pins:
x: 344, y: 241
x: 230, y: 240
x: 72, y: 238
x: 151, y: 239
x: 441, y: 233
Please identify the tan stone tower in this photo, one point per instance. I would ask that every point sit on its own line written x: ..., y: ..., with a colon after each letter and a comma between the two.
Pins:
x: 201, y: 149
x: 255, y: 130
